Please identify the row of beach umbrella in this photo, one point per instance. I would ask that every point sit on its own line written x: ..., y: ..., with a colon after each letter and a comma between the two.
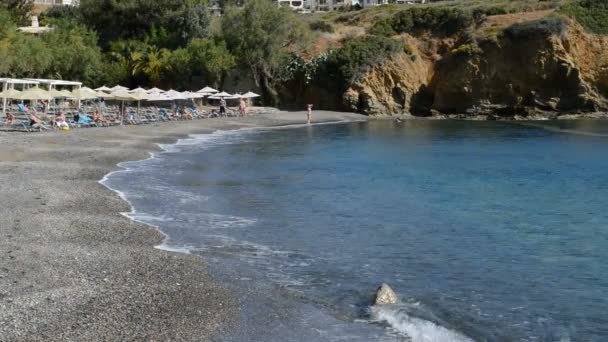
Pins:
x: 119, y: 93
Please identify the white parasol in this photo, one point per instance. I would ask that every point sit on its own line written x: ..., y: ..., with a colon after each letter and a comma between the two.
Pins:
x: 104, y: 88
x: 207, y: 90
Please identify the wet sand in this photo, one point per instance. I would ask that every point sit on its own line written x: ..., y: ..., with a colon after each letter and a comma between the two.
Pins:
x: 72, y: 268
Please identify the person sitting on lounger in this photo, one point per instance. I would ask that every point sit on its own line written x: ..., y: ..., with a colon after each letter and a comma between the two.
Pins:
x: 186, y: 115
x: 84, y: 119
x: 36, y: 123
x: 163, y: 114
x: 59, y: 121
x: 98, y: 118
x: 9, y: 118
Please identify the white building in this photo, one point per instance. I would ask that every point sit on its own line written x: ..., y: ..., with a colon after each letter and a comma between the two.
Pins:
x: 372, y: 3
x: 56, y: 2
x: 327, y: 5
x: 296, y: 5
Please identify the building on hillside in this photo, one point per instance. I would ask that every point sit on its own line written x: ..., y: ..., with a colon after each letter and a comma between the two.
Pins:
x: 56, y: 2
x: 296, y: 5
x: 35, y: 28
x: 328, y: 5
x: 41, y: 6
x: 215, y: 7
x: 373, y: 3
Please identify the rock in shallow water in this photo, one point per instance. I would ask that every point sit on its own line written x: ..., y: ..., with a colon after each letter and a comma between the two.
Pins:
x: 385, y: 295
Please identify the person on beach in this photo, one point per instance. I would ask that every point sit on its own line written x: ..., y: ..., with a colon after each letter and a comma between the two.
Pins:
x: 59, y: 121
x: 36, y: 123
x: 243, y: 107
x: 98, y: 119
x: 309, y: 114
x: 9, y: 118
x: 222, y: 106
x: 186, y: 114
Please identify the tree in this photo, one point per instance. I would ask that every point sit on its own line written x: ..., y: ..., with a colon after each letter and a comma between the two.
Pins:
x: 126, y: 53
x: 151, y: 63
x: 211, y: 59
x: 19, y: 9
x: 7, y: 25
x: 193, y: 22
x: 134, y: 19
x: 74, y: 51
x: 261, y: 35
x: 31, y: 57
x: 7, y: 32
x: 177, y: 69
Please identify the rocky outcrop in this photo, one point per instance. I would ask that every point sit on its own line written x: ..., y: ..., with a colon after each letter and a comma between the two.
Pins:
x: 504, y: 76
x: 385, y: 295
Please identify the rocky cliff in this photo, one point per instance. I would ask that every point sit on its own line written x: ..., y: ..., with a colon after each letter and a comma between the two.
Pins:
x: 512, y: 73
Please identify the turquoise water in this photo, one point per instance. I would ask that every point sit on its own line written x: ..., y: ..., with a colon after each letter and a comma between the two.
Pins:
x: 488, y: 231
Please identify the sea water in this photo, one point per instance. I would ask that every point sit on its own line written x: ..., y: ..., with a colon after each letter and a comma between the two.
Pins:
x: 488, y: 231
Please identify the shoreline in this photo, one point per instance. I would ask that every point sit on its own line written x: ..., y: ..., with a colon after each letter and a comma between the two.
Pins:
x: 129, y: 214
x: 74, y: 268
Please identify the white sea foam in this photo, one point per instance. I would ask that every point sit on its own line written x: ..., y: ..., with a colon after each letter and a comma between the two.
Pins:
x: 150, y: 218
x: 206, y: 141
x: 417, y: 329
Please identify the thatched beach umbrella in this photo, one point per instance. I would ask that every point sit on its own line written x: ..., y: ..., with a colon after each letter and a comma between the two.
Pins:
x: 249, y: 95
x: 11, y: 94
x: 220, y: 95
x: 123, y: 96
x: 137, y: 90
x: 84, y: 94
x: 207, y: 90
x: 35, y: 93
x: 118, y: 88
x: 139, y: 94
x: 104, y: 88
x: 155, y: 91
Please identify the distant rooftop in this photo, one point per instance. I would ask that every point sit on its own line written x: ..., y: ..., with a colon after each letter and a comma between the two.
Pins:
x: 56, y: 2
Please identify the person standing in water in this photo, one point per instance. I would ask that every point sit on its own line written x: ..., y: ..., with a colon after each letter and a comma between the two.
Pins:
x: 222, y: 106
x: 309, y: 114
x: 242, y: 107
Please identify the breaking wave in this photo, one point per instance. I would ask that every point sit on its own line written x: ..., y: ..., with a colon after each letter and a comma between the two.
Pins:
x: 414, y: 328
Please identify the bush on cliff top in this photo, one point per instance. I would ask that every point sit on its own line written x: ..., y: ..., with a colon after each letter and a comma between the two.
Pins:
x: 439, y: 20
x: 344, y: 65
x: 592, y: 14
x: 537, y: 28
x: 321, y: 26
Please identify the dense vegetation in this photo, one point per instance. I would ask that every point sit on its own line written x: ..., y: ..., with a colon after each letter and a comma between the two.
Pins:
x: 537, y: 28
x: 166, y: 43
x: 592, y: 14
x: 344, y: 65
x: 178, y: 44
x: 440, y: 20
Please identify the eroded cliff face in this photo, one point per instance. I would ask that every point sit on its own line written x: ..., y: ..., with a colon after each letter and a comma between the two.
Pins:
x: 503, y: 76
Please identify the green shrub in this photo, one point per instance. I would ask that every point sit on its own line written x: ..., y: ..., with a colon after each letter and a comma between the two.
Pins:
x: 382, y: 28
x: 436, y: 19
x: 537, y: 28
x: 592, y: 14
x: 348, y: 18
x: 495, y: 10
x: 407, y: 48
x: 465, y: 50
x: 322, y: 26
x: 439, y: 20
x: 344, y: 65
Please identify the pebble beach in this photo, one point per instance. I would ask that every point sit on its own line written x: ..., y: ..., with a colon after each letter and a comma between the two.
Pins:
x: 73, y: 268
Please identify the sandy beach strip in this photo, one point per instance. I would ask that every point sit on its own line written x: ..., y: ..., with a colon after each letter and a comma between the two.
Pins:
x: 72, y: 268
